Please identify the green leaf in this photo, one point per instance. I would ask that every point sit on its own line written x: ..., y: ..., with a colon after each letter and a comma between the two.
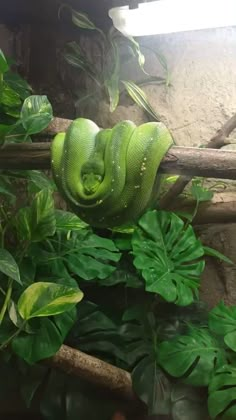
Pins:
x: 152, y: 386
x: 192, y: 357
x: 222, y: 321
x: 65, y: 321
x: 168, y: 256
x: 47, y: 299
x: 23, y: 224
x: 68, y: 221
x: 44, y: 343
x: 92, y: 256
x: 6, y: 188
x: 3, y: 63
x: 140, y: 98
x: 95, y: 332
x: 8, y: 266
x: 199, y: 192
x: 222, y: 394
x: 76, y: 58
x: 36, y: 113
x: 40, y: 181
x: 136, y: 49
x: 214, y: 253
x: 82, y: 20
x: 112, y: 83
x: 27, y: 271
x: 42, y: 216
x: 9, y: 97
x: 16, y: 83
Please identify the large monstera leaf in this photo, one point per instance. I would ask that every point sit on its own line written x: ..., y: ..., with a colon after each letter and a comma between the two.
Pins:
x: 222, y: 394
x: 222, y: 321
x: 168, y: 256
x: 192, y: 357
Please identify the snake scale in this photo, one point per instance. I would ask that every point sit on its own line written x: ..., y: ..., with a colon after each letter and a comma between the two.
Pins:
x: 109, y: 176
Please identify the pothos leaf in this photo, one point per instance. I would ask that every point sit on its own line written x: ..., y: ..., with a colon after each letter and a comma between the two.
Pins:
x: 36, y: 113
x: 192, y: 357
x: 199, y: 192
x: 42, y: 299
x: 45, y: 342
x: 8, y: 265
x: 168, y: 256
x: 37, y: 222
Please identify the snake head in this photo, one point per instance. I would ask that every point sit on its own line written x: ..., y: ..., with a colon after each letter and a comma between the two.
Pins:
x: 92, y: 173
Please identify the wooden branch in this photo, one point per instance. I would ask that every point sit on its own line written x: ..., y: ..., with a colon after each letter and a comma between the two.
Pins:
x: 25, y: 156
x: 179, y: 160
x: 56, y: 126
x: 215, y: 142
x: 95, y: 371
x: 221, y: 209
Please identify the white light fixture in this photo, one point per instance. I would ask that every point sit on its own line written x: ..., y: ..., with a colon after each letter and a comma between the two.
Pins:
x: 167, y: 16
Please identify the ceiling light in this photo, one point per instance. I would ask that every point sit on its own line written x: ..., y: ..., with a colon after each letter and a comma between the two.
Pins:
x: 167, y: 16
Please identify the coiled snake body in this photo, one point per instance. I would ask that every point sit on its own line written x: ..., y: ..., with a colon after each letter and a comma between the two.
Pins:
x: 108, y: 176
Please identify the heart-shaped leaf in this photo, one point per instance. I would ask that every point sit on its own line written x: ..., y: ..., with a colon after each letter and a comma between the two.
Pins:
x: 8, y: 265
x: 222, y: 321
x: 192, y: 357
x: 36, y: 113
x: 46, y: 299
x: 222, y: 394
x: 37, y: 222
x: 44, y: 343
x: 168, y: 256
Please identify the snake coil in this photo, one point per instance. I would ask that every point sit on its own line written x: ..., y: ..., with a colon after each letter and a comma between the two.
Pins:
x: 109, y: 176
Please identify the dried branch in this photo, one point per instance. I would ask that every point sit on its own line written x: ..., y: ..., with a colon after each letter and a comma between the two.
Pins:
x: 215, y: 142
x: 95, y: 371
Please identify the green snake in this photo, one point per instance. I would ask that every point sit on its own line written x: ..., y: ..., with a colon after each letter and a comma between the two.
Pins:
x: 109, y: 176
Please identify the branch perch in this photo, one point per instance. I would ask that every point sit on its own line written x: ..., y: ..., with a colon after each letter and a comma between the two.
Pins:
x: 96, y: 371
x: 216, y: 142
x: 179, y: 160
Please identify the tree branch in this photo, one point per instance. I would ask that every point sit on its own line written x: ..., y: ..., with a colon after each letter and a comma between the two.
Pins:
x: 179, y: 160
x: 95, y: 371
x: 215, y: 142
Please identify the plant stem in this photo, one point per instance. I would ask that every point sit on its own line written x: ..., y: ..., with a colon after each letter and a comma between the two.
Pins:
x: 6, y: 300
x: 15, y: 334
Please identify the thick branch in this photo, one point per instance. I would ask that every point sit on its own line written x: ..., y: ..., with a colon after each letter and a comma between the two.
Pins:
x: 215, y: 142
x: 95, y: 371
x: 179, y: 160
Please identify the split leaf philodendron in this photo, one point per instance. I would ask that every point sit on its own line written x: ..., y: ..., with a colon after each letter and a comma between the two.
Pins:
x: 109, y: 176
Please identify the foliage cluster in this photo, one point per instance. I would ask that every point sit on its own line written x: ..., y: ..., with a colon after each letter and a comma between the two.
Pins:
x: 113, y: 52
x: 181, y: 358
